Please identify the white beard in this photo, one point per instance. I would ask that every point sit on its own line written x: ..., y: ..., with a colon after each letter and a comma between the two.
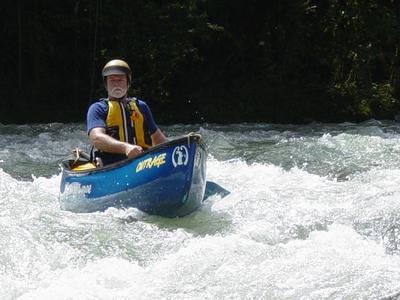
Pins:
x: 117, y: 92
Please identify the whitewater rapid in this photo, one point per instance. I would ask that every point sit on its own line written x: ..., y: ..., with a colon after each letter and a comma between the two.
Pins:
x: 313, y: 213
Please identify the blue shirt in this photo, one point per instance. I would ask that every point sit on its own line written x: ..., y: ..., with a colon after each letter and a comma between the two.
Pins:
x: 97, y: 115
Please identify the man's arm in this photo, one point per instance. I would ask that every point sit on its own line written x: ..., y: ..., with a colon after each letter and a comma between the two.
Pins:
x: 106, y: 143
x: 158, y: 137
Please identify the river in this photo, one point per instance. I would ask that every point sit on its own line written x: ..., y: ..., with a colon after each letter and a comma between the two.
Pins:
x: 313, y: 213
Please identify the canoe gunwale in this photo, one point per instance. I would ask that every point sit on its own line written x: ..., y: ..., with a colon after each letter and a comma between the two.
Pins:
x: 157, y: 148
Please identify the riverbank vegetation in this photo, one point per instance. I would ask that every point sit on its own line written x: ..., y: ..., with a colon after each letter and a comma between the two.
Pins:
x: 205, y: 61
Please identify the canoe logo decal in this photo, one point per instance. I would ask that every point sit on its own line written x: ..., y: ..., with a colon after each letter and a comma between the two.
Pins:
x: 180, y: 156
x: 151, y: 162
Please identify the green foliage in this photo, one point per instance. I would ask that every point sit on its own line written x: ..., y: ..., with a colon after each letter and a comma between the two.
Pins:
x: 205, y: 61
x: 362, y: 36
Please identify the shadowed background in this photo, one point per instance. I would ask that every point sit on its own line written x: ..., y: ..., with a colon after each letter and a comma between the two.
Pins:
x: 198, y: 61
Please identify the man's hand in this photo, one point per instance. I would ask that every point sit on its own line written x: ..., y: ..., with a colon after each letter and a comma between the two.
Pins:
x: 106, y: 143
x: 132, y: 151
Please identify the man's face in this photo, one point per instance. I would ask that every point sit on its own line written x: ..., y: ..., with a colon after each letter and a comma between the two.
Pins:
x: 117, y: 86
x: 116, y: 81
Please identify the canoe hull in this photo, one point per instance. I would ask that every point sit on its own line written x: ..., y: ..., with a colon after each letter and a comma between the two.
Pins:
x: 168, y: 180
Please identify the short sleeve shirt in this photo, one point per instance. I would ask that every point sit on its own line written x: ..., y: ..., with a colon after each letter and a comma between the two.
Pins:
x: 97, y: 115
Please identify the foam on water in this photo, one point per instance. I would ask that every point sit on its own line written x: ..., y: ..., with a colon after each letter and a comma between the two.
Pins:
x: 296, y: 229
x: 337, y: 263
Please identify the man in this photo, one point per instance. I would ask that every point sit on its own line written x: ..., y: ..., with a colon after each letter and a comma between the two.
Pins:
x: 120, y: 127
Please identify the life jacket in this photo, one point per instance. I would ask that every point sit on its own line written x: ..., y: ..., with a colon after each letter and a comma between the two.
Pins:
x: 125, y: 122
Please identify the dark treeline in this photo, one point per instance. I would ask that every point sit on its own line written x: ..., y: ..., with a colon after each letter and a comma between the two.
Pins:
x: 204, y: 60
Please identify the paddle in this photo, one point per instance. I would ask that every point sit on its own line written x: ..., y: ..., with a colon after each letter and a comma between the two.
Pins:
x: 213, y: 188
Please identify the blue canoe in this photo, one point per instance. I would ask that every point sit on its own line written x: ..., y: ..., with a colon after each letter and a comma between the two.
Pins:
x: 167, y: 180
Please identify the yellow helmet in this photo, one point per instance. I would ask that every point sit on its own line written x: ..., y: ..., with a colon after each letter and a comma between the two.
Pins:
x: 117, y: 67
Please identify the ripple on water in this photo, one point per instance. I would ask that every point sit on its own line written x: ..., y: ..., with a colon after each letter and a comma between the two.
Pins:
x: 313, y: 213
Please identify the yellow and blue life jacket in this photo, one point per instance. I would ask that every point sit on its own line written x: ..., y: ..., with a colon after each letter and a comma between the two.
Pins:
x: 125, y: 122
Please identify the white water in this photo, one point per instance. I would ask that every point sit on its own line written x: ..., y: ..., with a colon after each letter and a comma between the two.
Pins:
x: 314, y: 213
